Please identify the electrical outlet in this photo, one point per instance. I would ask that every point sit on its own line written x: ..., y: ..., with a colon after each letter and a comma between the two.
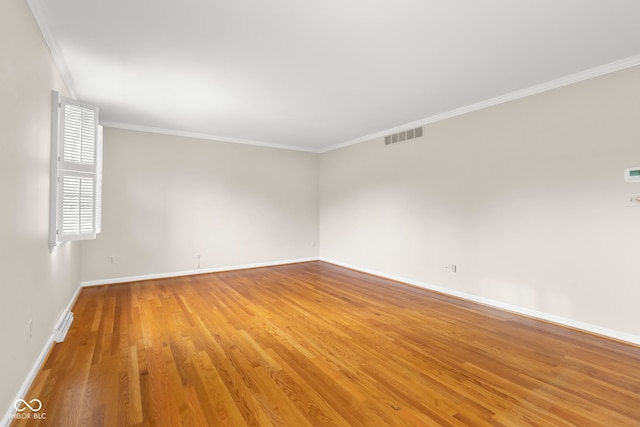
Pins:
x: 632, y: 200
x: 454, y: 268
x: 30, y: 329
x: 111, y: 260
x: 447, y: 268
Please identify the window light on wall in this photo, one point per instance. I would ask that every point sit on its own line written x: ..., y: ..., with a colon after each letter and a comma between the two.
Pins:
x: 76, y: 171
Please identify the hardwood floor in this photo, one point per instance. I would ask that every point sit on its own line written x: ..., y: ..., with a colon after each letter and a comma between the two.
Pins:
x: 313, y: 344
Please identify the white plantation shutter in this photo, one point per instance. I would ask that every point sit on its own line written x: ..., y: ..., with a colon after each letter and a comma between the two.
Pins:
x: 77, y: 154
x: 99, y: 182
x: 76, y: 206
x: 79, y: 133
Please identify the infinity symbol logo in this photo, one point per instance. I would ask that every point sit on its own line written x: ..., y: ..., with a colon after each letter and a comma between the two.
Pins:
x: 37, y: 405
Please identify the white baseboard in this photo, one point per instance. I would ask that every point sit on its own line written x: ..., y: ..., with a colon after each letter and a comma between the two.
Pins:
x: 26, y: 384
x: 622, y: 336
x: 8, y: 417
x: 193, y: 272
x: 576, y: 324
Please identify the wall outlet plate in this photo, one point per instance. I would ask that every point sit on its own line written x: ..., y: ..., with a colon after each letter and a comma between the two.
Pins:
x: 632, y: 200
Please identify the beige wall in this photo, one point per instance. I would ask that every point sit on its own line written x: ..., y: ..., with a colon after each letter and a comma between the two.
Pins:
x: 526, y: 198
x: 167, y: 198
x: 34, y: 285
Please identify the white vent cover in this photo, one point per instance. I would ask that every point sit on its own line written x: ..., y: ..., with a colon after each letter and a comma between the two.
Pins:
x: 62, y: 326
x: 405, y: 135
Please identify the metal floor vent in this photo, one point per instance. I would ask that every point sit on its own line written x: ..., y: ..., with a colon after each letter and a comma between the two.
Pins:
x: 62, y: 326
x: 405, y: 135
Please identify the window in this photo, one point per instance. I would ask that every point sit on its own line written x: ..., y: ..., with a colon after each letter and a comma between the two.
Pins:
x: 76, y: 157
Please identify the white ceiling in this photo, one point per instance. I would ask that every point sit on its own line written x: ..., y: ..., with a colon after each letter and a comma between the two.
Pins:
x: 313, y: 75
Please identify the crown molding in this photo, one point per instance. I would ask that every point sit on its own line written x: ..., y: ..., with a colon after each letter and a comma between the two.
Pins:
x: 512, y: 96
x: 173, y: 132
x: 532, y: 90
x: 619, y: 65
x: 58, y: 58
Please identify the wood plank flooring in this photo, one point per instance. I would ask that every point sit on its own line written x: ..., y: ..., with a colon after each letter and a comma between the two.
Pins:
x: 314, y: 344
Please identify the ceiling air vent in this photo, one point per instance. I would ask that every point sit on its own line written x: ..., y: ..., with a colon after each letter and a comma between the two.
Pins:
x: 405, y: 135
